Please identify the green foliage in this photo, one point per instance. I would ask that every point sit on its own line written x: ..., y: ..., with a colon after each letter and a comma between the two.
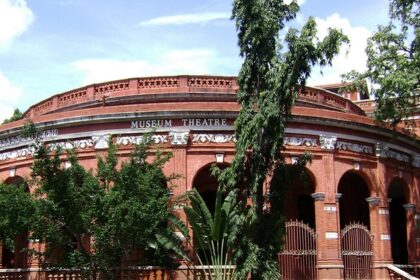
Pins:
x: 137, y: 210
x: 16, y: 209
x: 393, y: 64
x: 17, y: 115
x: 67, y: 203
x: 269, y: 82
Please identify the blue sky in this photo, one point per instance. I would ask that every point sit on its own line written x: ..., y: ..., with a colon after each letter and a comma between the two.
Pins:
x: 51, y: 46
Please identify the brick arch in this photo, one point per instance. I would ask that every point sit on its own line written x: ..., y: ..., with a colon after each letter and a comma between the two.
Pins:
x: 206, y: 169
x: 353, y: 205
x: 368, y: 180
x: 17, y: 181
x: 19, y: 257
x: 403, y: 184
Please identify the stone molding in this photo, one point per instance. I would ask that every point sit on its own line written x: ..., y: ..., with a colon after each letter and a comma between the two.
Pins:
x: 327, y: 142
x: 416, y: 160
x: 409, y: 207
x: 318, y: 196
x: 338, y: 196
x: 373, y: 201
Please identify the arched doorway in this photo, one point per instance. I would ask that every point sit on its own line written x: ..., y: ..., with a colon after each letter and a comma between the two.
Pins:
x: 397, y: 197
x: 17, y: 258
x: 206, y: 184
x: 298, y: 203
x: 353, y: 205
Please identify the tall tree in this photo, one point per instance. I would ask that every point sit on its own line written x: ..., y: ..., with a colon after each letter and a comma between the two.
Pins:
x: 17, y: 115
x: 269, y: 81
x: 393, y: 64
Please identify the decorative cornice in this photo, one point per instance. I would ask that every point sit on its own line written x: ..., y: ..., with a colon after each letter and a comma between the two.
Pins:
x: 327, y: 142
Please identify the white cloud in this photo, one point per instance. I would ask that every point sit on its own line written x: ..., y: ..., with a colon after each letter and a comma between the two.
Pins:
x: 351, y: 57
x: 9, y: 97
x: 174, y: 62
x: 186, y: 19
x: 15, y: 18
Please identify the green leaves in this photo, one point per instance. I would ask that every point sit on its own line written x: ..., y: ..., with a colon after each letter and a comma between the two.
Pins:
x: 16, y: 213
x: 393, y: 65
x: 269, y: 81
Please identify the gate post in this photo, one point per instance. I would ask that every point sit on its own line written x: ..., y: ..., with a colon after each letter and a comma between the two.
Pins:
x: 381, y: 237
x: 329, y: 265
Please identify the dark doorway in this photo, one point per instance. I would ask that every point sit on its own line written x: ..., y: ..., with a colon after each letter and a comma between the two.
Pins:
x: 398, y: 221
x: 299, y: 205
x: 353, y: 205
x: 207, y: 184
x: 17, y: 258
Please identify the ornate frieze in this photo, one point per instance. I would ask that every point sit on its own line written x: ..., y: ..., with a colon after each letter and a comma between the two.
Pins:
x: 135, y: 140
x: 357, y: 148
x: 179, y: 138
x: 300, y: 141
x: 397, y: 156
x: 327, y: 142
x: 77, y: 144
x: 213, y: 138
x: 16, y: 140
x: 29, y: 151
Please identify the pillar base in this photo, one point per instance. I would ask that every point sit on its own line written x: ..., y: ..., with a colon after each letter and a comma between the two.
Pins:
x: 330, y: 270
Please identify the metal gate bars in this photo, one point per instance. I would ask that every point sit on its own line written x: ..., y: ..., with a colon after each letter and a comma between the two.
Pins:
x: 298, y: 258
x: 356, y: 246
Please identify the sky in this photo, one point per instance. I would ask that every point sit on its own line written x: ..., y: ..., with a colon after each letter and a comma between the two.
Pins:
x: 52, y: 46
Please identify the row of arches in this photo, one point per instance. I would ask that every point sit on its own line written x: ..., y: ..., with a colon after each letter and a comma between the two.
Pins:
x: 353, y: 206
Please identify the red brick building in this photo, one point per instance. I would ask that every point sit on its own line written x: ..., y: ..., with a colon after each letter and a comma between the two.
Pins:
x: 364, y: 181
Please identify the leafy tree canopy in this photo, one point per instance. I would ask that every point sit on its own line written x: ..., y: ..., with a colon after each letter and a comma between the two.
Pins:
x: 17, y: 115
x: 272, y: 73
x: 393, y: 62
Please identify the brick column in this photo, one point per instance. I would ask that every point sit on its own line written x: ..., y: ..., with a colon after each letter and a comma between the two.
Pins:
x: 179, y: 141
x: 379, y: 218
x: 411, y: 232
x: 330, y: 265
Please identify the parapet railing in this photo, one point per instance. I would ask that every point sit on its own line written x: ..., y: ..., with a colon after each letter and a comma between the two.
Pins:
x: 94, y: 94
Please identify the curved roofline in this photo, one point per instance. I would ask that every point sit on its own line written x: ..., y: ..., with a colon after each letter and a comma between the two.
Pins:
x: 125, y: 90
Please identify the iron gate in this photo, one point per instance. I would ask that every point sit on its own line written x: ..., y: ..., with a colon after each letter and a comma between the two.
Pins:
x: 298, y: 258
x: 356, y: 251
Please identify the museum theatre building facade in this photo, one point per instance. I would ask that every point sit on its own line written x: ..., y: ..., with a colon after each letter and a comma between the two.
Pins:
x: 359, y: 215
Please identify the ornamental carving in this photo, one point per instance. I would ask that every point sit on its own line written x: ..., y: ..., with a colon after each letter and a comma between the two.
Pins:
x: 398, y: 156
x: 213, y: 138
x: 381, y: 150
x: 179, y: 138
x: 17, y: 140
x: 327, y: 142
x: 77, y: 144
x: 101, y: 141
x: 357, y: 148
x: 135, y: 140
x: 29, y: 151
x: 300, y: 141
x: 416, y: 161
